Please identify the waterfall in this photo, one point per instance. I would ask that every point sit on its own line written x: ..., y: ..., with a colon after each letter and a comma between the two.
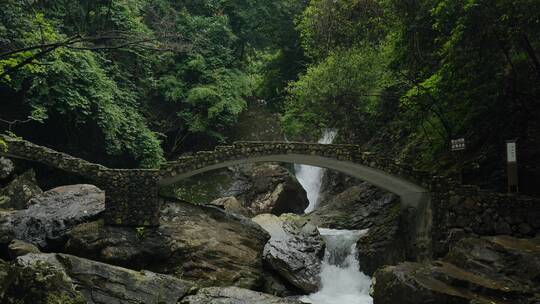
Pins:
x: 341, y: 280
x: 311, y: 177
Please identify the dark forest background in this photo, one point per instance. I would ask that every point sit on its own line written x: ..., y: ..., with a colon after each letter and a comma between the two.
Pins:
x: 131, y: 83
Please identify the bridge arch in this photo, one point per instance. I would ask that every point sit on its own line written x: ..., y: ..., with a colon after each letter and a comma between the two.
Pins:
x: 408, y: 184
x: 410, y: 193
x: 132, y: 195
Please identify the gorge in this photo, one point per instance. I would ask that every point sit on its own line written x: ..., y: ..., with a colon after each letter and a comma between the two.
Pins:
x: 269, y: 152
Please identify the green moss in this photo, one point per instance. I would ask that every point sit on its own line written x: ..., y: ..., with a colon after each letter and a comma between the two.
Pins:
x: 39, y: 284
x: 62, y: 298
x: 3, y: 145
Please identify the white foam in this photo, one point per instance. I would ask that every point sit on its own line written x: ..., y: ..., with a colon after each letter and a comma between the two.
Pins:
x: 342, y: 282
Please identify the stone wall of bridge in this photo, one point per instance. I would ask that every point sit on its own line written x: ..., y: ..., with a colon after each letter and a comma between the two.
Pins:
x: 246, y: 150
x: 132, y: 195
x: 460, y: 211
x: 452, y: 210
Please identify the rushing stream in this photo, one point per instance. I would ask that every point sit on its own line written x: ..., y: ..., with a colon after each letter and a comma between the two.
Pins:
x: 342, y: 282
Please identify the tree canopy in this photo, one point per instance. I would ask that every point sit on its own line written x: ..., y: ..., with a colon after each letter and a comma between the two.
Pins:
x: 133, y: 82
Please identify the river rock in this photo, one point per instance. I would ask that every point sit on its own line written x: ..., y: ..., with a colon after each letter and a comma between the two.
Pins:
x: 477, y: 270
x: 286, y: 195
x: 6, y: 230
x: 230, y: 204
x: 293, y: 252
x: 202, y: 244
x: 358, y: 207
x: 19, y: 191
x: 51, y: 214
x: 234, y: 295
x: 37, y: 284
x: 6, y: 167
x: 384, y: 243
x: 101, y: 283
x: 260, y: 188
x: 333, y: 183
x: 276, y: 285
x: 18, y: 248
x: 367, y: 207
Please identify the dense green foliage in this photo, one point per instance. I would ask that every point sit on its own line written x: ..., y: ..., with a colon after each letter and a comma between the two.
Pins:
x: 432, y: 69
x: 479, y: 61
x: 122, y: 81
x: 132, y: 82
x: 346, y: 81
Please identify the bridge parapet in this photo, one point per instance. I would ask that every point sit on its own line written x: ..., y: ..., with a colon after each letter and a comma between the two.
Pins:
x: 23, y: 149
x: 132, y: 195
x: 244, y: 150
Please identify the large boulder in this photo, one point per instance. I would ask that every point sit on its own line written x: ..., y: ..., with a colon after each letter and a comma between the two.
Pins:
x: 333, y: 183
x: 100, y: 283
x: 367, y: 207
x: 294, y: 252
x: 19, y: 191
x: 230, y: 204
x: 492, y: 270
x: 358, y: 207
x: 260, y: 189
x: 234, y: 295
x: 51, y: 214
x: 198, y: 243
x: 286, y: 195
x: 384, y: 243
x: 38, y: 284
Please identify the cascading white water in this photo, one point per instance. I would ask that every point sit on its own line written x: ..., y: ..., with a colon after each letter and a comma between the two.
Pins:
x: 341, y: 280
x: 311, y: 177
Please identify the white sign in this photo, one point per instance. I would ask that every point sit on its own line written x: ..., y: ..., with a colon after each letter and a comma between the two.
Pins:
x: 458, y: 144
x: 511, y: 152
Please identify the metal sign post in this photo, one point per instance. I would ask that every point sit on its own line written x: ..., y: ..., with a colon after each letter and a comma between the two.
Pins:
x: 512, y: 167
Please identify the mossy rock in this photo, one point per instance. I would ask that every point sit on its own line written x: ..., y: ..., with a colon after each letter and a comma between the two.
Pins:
x: 36, y: 285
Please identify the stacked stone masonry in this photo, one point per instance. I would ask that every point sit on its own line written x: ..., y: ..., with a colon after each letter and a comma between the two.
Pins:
x: 133, y: 200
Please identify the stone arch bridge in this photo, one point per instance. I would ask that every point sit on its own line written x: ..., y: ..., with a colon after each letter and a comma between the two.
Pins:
x: 132, y: 194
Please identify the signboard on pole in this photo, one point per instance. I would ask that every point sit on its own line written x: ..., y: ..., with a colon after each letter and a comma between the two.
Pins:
x: 512, y: 167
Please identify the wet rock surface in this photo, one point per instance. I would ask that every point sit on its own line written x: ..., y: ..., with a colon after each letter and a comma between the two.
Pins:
x: 366, y: 207
x: 19, y: 191
x: 53, y: 213
x: 286, y: 195
x: 477, y: 270
x: 233, y: 295
x: 38, y: 284
x: 294, y: 252
x: 202, y: 244
x: 6, y: 167
x: 260, y: 189
x: 230, y: 204
x: 358, y: 207
x: 100, y: 283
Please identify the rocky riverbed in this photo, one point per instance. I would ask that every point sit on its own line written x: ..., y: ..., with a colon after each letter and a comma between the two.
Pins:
x: 242, y: 247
